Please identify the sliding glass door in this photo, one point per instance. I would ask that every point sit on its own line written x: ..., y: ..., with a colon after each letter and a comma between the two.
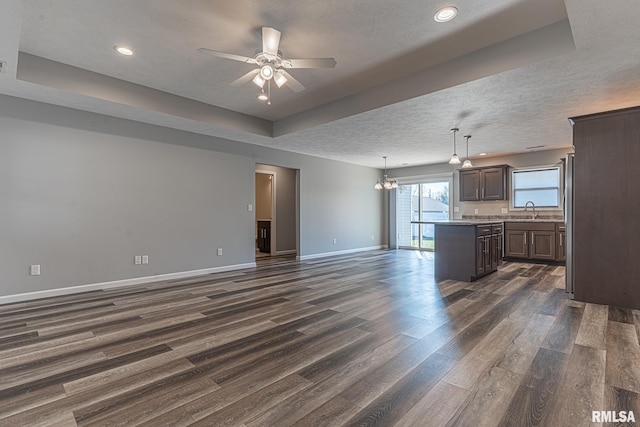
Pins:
x: 420, y: 202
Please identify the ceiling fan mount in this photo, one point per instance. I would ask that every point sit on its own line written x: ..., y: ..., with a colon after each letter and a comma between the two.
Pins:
x: 271, y: 63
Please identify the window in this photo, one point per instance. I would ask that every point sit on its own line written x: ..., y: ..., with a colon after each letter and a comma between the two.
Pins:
x: 539, y: 185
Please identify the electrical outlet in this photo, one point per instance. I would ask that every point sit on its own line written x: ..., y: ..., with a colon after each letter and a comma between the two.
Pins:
x: 34, y: 270
x: 219, y: 251
x: 475, y: 211
x: 456, y: 208
x: 505, y: 210
x: 334, y: 241
x: 137, y: 260
x: 145, y: 259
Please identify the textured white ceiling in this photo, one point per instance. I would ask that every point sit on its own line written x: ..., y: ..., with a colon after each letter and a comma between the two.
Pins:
x: 509, y: 72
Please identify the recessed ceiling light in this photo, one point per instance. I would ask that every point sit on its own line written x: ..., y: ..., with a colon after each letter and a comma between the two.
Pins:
x: 445, y: 14
x: 123, y: 50
x: 482, y: 154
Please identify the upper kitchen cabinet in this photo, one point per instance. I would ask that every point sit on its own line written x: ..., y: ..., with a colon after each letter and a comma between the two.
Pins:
x: 606, y: 194
x: 486, y: 183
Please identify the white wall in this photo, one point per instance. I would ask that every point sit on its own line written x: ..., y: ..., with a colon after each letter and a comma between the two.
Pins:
x: 82, y: 193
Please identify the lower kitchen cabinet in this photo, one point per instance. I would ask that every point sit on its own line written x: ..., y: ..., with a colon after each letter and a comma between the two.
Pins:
x: 561, y: 248
x: 264, y: 236
x: 532, y: 241
x: 467, y: 252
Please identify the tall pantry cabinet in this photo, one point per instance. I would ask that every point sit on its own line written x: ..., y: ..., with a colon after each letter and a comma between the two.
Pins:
x: 606, y: 250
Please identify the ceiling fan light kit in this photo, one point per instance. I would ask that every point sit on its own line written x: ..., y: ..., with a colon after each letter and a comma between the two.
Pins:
x: 266, y: 72
x: 279, y: 78
x: 271, y: 63
x: 259, y: 81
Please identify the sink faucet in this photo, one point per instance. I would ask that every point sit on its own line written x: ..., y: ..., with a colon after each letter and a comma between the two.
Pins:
x: 533, y: 206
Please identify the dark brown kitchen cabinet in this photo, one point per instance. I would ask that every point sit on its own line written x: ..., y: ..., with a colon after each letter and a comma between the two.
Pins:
x: 543, y: 245
x: 469, y: 185
x: 467, y: 252
x: 534, y: 241
x: 606, y: 189
x: 561, y: 243
x: 264, y: 236
x: 483, y: 250
x: 515, y: 245
x: 487, y: 183
x: 497, y: 250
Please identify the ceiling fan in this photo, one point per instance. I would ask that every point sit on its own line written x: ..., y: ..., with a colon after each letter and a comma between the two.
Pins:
x: 271, y: 64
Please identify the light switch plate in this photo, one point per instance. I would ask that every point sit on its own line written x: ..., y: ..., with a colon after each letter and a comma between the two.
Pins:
x: 475, y: 211
x: 34, y: 270
x: 505, y: 210
x: 456, y: 208
x: 219, y: 251
x: 145, y: 259
x: 250, y: 207
x: 137, y: 260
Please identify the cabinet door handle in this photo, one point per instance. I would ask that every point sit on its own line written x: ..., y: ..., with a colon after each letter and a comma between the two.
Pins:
x: 525, y: 238
x: 483, y: 193
x: 476, y: 193
x: 561, y: 240
x: 533, y: 242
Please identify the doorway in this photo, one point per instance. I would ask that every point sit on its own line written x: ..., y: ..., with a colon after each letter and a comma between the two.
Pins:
x: 276, y: 211
x: 265, y: 213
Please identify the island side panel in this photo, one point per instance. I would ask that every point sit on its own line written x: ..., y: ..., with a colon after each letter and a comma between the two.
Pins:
x: 455, y: 252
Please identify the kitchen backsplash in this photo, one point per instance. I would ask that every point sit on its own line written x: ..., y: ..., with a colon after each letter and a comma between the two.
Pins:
x: 499, y: 209
x: 512, y: 217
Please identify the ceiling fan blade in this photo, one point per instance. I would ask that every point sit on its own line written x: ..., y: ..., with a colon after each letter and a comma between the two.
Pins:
x: 247, y: 77
x: 235, y: 57
x: 295, y: 85
x: 270, y: 40
x: 309, y: 63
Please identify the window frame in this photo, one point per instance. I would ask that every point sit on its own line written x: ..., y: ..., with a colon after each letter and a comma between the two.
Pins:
x: 512, y: 188
x: 416, y: 180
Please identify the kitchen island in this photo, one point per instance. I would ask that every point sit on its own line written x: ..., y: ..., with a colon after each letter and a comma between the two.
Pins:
x: 466, y: 249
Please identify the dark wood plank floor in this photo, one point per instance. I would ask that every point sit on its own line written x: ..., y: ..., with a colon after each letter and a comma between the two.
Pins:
x: 365, y: 339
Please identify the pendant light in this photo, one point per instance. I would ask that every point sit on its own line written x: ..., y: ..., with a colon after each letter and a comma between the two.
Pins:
x: 387, y: 184
x: 467, y: 162
x: 455, y: 160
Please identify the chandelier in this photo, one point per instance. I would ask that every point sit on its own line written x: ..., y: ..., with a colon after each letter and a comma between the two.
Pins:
x: 387, y: 184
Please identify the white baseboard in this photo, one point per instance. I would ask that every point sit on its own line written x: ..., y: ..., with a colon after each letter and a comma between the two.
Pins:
x: 346, y: 251
x: 119, y: 283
